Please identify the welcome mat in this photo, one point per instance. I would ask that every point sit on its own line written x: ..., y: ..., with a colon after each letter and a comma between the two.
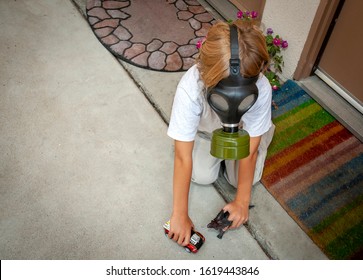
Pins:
x: 314, y: 169
x: 158, y: 35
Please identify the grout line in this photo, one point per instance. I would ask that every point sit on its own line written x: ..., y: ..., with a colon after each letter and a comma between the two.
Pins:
x: 148, y: 97
x: 80, y: 10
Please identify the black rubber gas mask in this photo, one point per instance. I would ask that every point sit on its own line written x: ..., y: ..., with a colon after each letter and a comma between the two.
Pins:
x: 231, y: 98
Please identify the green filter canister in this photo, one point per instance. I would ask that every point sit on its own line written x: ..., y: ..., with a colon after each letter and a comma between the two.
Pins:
x: 232, y: 146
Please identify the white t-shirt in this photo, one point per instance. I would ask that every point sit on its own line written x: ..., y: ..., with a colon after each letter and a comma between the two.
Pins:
x: 192, y: 113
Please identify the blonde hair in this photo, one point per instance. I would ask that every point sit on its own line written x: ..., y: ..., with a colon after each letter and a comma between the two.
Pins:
x: 214, y: 55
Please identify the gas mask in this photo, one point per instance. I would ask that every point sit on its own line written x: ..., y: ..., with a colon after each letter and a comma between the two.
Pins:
x: 231, y: 98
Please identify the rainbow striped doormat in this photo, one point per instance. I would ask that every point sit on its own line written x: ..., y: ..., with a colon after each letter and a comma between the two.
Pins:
x: 314, y: 169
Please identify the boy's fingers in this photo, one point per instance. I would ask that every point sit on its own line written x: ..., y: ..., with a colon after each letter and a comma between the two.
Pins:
x: 186, y: 242
x: 183, y: 241
x: 175, y: 237
x: 226, y: 228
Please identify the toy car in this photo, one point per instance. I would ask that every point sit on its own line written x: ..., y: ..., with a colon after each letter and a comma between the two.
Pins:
x: 196, y: 239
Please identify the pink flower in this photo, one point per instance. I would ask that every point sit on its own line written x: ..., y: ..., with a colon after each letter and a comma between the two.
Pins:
x: 275, y: 87
x: 284, y: 44
x: 247, y: 14
x: 200, y: 43
x: 277, y: 42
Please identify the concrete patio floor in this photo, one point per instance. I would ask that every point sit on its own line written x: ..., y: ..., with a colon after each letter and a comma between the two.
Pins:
x: 86, y: 166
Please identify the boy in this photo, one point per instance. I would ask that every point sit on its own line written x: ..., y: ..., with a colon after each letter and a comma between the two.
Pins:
x: 193, y: 121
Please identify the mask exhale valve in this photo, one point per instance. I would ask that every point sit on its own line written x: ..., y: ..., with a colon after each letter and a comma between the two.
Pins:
x: 231, y: 98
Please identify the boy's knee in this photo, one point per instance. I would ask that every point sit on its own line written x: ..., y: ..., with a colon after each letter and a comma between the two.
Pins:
x: 204, y: 178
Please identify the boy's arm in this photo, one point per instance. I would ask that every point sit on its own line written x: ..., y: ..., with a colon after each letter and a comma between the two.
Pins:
x: 180, y: 223
x: 238, y: 208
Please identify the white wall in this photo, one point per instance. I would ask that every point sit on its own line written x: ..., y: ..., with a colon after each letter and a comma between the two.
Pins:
x: 291, y: 19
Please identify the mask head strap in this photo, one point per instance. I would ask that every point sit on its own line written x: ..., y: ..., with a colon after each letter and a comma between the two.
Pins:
x: 234, y: 62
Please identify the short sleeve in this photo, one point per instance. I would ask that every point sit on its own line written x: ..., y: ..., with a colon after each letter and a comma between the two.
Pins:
x: 185, y: 116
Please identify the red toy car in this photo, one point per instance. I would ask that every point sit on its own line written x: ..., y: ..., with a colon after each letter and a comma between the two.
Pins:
x: 196, y: 239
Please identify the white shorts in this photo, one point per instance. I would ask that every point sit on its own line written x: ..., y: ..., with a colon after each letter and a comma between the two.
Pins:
x: 206, y: 167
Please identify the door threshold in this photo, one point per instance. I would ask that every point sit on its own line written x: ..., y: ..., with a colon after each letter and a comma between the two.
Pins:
x: 225, y: 8
x: 339, y: 89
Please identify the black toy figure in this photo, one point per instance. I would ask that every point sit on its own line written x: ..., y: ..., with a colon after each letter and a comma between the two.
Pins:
x: 220, y: 223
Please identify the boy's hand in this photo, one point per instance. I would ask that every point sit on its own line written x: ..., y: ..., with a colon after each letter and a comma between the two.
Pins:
x: 180, y: 229
x: 238, y: 213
